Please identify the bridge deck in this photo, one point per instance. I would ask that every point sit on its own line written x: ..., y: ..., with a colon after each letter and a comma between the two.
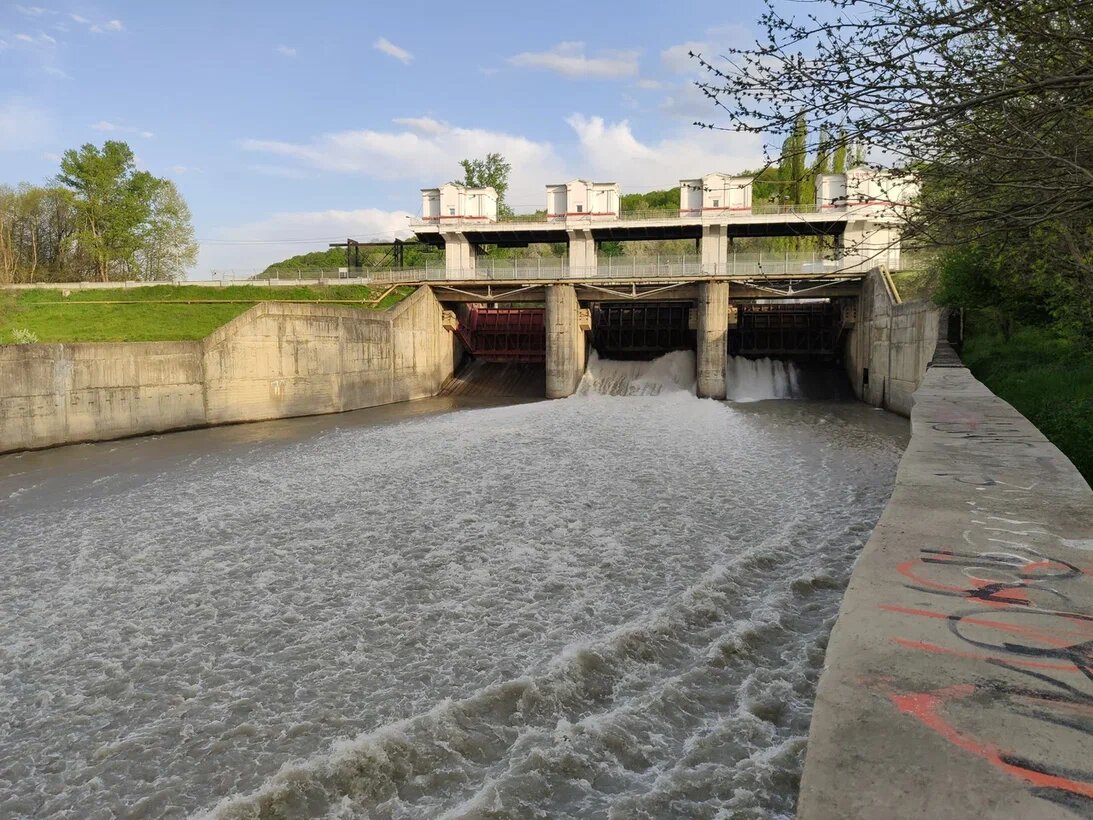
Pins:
x: 602, y: 289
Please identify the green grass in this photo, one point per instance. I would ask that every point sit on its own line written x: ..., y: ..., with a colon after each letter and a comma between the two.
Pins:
x: 159, y: 313
x: 1047, y: 377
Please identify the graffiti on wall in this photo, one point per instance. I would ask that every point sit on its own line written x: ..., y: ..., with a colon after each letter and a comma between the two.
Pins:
x: 1013, y: 597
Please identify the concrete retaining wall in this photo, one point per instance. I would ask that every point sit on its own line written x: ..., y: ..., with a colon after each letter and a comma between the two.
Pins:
x: 274, y: 361
x: 890, y: 346
x: 958, y: 680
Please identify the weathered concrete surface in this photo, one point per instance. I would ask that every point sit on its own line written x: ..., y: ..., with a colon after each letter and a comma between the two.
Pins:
x: 274, y: 361
x: 57, y: 393
x: 566, y: 345
x: 893, y: 343
x: 712, y: 339
x: 959, y: 675
x: 280, y: 360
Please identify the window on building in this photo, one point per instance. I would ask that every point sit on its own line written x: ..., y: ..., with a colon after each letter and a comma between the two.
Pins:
x: 717, y: 203
x: 580, y: 209
x: 451, y: 212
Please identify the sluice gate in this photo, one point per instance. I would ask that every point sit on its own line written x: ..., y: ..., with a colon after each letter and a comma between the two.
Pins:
x: 806, y: 330
x: 641, y: 331
x: 504, y: 334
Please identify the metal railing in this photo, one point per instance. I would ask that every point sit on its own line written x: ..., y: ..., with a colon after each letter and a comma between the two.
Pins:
x: 757, y: 209
x: 533, y: 269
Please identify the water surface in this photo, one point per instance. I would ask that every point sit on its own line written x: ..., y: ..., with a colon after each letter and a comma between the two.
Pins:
x: 607, y: 606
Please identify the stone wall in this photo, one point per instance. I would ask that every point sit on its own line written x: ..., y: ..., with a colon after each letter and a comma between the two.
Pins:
x: 280, y: 360
x: 274, y: 361
x: 957, y: 680
x: 889, y: 348
x: 59, y: 393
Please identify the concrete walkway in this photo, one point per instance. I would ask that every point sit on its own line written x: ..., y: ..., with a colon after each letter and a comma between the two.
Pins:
x: 959, y: 676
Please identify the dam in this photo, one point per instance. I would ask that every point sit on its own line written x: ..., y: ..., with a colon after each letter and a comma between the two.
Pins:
x: 416, y: 588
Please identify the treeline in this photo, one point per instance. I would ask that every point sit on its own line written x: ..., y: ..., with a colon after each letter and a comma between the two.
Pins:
x: 100, y: 219
x: 381, y: 257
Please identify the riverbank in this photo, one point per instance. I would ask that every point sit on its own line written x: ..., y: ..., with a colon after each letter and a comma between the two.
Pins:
x: 275, y: 360
x: 1047, y: 377
x: 958, y: 669
x: 159, y: 313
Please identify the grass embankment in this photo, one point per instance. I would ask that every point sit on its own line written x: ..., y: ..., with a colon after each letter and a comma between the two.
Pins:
x: 160, y: 313
x: 1047, y: 377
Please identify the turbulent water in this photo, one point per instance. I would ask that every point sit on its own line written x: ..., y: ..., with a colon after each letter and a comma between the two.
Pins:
x: 607, y: 606
x: 756, y: 379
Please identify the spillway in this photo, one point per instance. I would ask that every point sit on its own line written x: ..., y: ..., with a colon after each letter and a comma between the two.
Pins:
x: 608, y: 605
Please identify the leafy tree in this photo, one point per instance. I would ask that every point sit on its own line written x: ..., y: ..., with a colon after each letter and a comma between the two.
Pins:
x: 36, y: 224
x: 167, y: 246
x: 987, y: 103
x: 838, y: 163
x: 491, y: 172
x: 823, y: 153
x: 113, y: 200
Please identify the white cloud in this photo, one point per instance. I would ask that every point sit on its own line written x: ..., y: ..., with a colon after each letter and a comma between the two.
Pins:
x: 391, y: 50
x: 113, y: 127
x: 286, y: 51
x: 427, y: 152
x: 40, y: 40
x: 78, y: 19
x: 715, y: 42
x: 570, y: 60
x: 649, y: 85
x: 49, y: 156
x: 109, y: 25
x: 424, y: 151
x: 248, y: 249
x: 34, y: 11
x: 24, y: 126
x: 611, y: 152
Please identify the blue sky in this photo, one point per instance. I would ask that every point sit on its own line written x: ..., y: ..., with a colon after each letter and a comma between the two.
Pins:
x: 288, y: 124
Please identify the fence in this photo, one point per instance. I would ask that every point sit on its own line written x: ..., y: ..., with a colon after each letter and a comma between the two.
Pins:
x: 634, y: 267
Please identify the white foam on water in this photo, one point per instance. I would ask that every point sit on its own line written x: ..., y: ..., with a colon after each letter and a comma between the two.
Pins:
x: 578, y: 608
x: 759, y: 379
x: 671, y: 373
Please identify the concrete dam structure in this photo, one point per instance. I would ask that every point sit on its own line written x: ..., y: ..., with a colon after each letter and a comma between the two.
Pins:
x: 409, y: 611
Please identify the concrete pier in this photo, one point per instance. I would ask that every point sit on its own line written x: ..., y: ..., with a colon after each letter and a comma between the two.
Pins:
x: 713, y: 248
x: 566, y: 347
x: 582, y: 252
x: 713, y: 339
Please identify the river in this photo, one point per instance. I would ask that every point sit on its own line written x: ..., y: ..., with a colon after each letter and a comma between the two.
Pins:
x: 604, y: 606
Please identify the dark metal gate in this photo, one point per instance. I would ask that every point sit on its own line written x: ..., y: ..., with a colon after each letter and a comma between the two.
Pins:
x: 629, y: 331
x: 504, y: 334
x: 805, y: 330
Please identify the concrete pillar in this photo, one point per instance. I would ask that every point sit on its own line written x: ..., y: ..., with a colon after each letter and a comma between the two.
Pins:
x: 566, y: 348
x: 871, y: 244
x: 582, y: 252
x: 460, y: 256
x: 713, y: 250
x: 713, y: 339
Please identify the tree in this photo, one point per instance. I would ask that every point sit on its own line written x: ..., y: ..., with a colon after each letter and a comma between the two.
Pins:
x: 167, y: 248
x: 988, y: 104
x: 823, y: 153
x: 114, y: 203
x: 491, y: 172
